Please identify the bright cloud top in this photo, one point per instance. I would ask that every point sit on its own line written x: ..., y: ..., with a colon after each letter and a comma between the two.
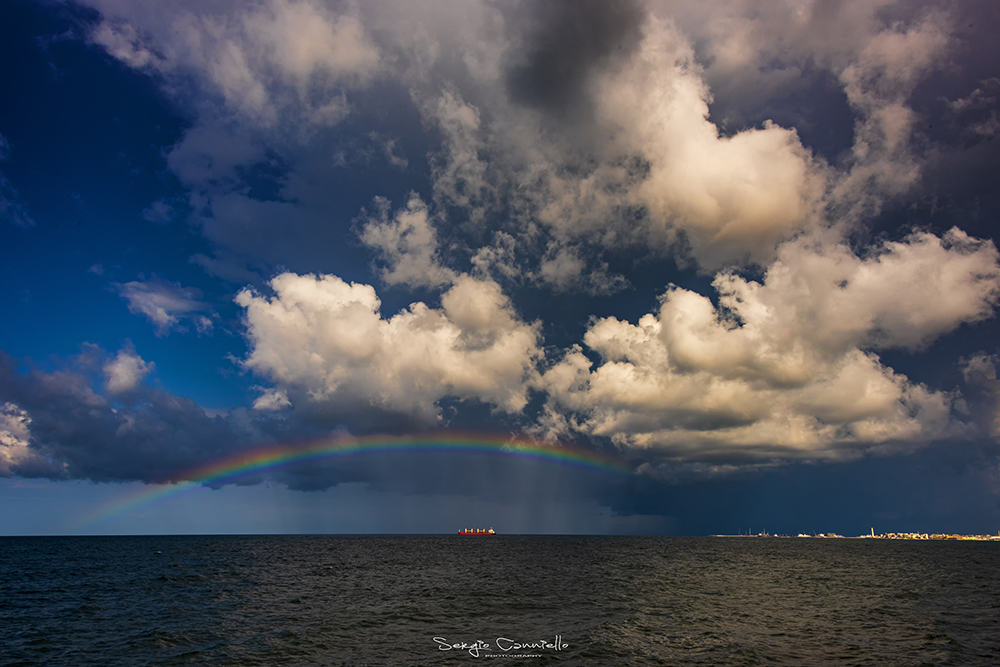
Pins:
x: 125, y: 371
x: 324, y: 341
x: 783, y: 367
x: 562, y: 145
x: 15, y: 434
x: 731, y: 198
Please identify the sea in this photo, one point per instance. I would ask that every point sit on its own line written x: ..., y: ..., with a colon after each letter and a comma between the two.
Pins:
x: 508, y: 600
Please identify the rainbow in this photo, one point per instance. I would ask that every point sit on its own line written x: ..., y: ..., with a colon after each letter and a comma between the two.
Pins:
x: 265, y: 459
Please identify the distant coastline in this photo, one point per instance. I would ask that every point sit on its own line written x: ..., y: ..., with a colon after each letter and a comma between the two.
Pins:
x: 882, y: 536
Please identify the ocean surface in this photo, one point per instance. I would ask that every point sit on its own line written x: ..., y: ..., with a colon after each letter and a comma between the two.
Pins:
x: 452, y: 600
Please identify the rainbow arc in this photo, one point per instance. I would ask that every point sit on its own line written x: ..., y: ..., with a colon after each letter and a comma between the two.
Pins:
x: 266, y: 459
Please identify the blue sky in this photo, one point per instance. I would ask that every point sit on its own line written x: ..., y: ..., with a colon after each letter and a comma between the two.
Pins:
x: 748, y: 250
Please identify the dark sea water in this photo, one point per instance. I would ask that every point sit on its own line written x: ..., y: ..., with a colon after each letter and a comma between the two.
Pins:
x: 358, y: 600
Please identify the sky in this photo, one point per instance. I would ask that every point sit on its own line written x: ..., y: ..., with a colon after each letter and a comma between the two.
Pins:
x: 663, y: 267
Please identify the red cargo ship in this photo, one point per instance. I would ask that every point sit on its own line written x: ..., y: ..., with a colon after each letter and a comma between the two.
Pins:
x: 477, y: 531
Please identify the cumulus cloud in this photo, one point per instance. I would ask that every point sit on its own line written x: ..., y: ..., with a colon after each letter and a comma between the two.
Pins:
x: 125, y: 371
x: 55, y: 425
x: 755, y: 51
x: 271, y: 399
x: 167, y: 305
x: 638, y: 160
x: 323, y: 341
x: 732, y: 197
x: 460, y: 168
x: 784, y: 367
x: 14, y: 437
x: 407, y: 244
x: 556, y: 135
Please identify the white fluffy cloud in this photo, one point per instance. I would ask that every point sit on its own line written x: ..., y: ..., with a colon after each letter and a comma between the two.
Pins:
x: 15, y: 433
x: 783, y: 367
x: 125, y: 371
x: 733, y: 197
x: 878, y: 50
x: 166, y: 304
x: 271, y: 399
x: 407, y: 243
x: 558, y: 131
x: 324, y: 340
x: 636, y: 160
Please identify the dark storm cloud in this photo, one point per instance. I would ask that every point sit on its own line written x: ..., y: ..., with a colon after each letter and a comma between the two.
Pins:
x: 569, y: 40
x: 938, y: 489
x: 77, y: 430
x: 150, y: 435
x: 958, y: 133
x: 77, y: 433
x: 961, y: 105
